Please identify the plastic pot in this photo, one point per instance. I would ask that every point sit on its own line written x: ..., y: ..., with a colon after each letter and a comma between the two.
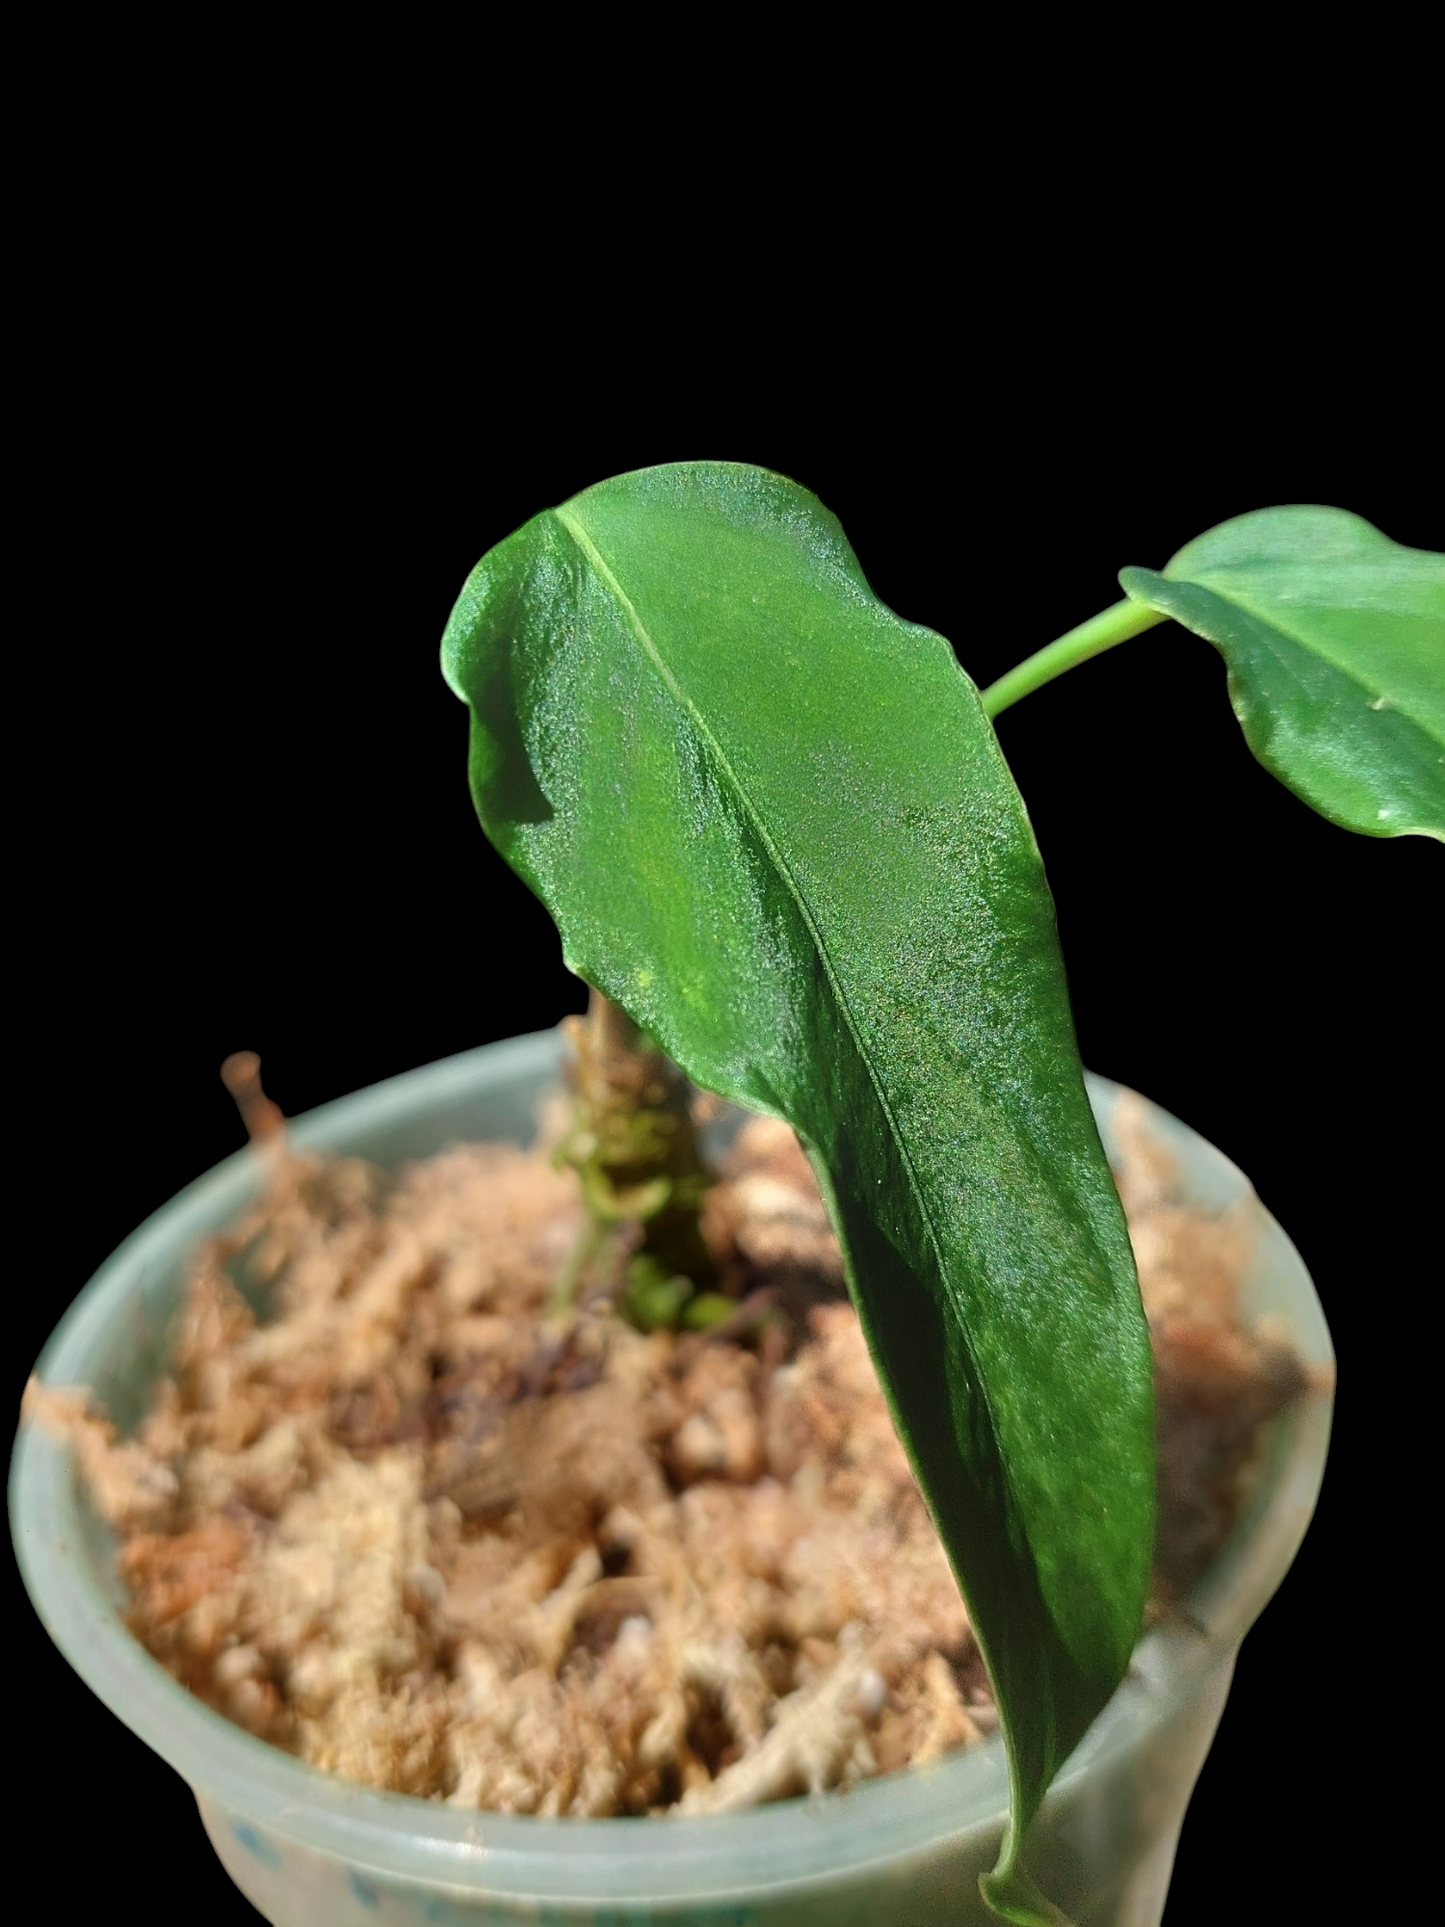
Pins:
x: 899, y: 1851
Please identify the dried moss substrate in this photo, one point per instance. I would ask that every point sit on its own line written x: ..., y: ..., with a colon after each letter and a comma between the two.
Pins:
x: 422, y: 1534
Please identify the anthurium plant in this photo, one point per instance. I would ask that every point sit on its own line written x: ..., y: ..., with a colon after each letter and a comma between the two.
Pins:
x: 774, y: 826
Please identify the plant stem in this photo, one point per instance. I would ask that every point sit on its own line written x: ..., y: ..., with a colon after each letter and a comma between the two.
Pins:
x: 634, y: 1148
x: 1091, y: 638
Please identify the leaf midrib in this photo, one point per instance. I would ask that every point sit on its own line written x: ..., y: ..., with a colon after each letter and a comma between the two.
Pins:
x: 1271, y: 621
x: 593, y: 555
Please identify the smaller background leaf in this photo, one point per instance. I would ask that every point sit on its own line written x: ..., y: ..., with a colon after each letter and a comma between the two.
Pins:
x: 1334, y: 637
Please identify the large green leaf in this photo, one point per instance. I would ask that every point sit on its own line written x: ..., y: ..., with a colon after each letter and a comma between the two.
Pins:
x: 773, y: 823
x: 1335, y: 641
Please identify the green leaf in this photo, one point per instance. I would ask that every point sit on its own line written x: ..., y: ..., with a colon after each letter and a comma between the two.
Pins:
x: 774, y: 825
x: 1335, y: 641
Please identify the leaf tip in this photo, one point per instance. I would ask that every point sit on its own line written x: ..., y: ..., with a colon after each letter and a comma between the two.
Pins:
x: 1011, y: 1896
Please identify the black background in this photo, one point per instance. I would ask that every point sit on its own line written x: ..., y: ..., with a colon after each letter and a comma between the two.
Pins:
x: 246, y: 824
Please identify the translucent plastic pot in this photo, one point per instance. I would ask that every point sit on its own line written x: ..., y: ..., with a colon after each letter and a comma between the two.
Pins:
x: 905, y: 1850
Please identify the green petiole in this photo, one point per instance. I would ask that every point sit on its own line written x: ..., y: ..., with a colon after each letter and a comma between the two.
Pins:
x: 1091, y: 638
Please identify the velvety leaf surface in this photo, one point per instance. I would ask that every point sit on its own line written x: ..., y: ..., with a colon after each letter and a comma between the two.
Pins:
x: 774, y: 825
x: 1335, y: 641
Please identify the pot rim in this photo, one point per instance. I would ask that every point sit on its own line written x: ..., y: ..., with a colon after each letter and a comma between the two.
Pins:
x: 62, y: 1553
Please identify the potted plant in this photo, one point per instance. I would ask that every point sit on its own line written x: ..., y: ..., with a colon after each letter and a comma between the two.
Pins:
x: 809, y: 863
